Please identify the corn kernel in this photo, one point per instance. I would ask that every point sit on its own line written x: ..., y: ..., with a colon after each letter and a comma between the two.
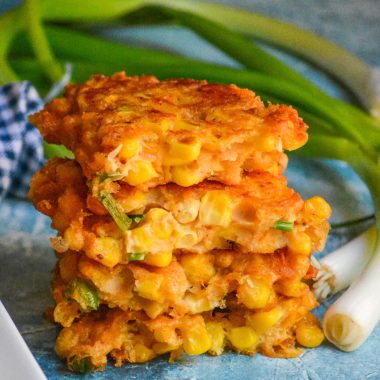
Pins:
x: 224, y: 259
x: 187, y: 212
x: 153, y: 309
x: 216, y: 332
x: 299, y: 243
x: 309, y: 335
x: 254, y: 293
x: 185, y: 176
x: 165, y: 334
x: 156, y: 213
x: 136, y: 201
x: 98, y: 274
x: 162, y: 126
x: 106, y: 250
x: 273, y: 169
x: 129, y: 148
x: 142, y: 353
x: 264, y: 320
x: 150, y: 287
x: 165, y: 125
x: 216, y: 208
x: 139, y: 239
x: 292, y: 288
x: 182, y: 152
x: 187, y: 238
x: 74, y: 239
x: 162, y: 348
x: 267, y: 143
x: 197, y: 303
x: 294, y: 144
x: 317, y: 206
x: 243, y: 337
x: 162, y: 259
x: 66, y: 312
x: 198, y: 267
x: 196, y: 340
x: 182, y: 125
x: 140, y: 172
x: 161, y: 226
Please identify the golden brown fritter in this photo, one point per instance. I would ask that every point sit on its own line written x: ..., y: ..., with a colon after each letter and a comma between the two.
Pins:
x: 153, y: 132
x: 191, y: 284
x: 132, y: 337
x: 196, y: 219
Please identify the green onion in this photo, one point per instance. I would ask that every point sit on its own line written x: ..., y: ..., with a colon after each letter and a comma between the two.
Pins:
x: 84, y: 293
x: 137, y: 218
x: 342, y: 64
x: 54, y: 150
x: 117, y: 214
x: 136, y: 256
x: 112, y: 176
x: 39, y: 41
x: 352, y: 318
x: 238, y: 47
x: 338, y: 270
x: 284, y: 225
x: 81, y: 365
x: 351, y: 223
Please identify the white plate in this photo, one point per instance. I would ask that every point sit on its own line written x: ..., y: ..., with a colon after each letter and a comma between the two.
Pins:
x: 16, y: 360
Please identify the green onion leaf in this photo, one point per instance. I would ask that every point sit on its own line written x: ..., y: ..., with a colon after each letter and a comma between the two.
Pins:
x: 136, y: 256
x: 137, y: 218
x: 39, y: 41
x: 284, y: 225
x: 121, y: 219
x: 84, y: 293
x: 83, y: 365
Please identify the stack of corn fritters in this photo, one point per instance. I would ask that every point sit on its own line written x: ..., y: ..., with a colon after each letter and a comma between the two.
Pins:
x: 176, y: 229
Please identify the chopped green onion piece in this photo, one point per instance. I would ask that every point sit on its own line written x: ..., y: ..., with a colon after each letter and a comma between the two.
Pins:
x: 83, y: 365
x: 112, y: 176
x: 137, y: 218
x: 54, y: 150
x: 284, y: 225
x: 136, y: 256
x: 84, y: 293
x: 121, y: 219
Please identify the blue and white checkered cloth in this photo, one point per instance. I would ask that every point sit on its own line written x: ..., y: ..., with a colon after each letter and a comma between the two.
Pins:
x: 21, y: 152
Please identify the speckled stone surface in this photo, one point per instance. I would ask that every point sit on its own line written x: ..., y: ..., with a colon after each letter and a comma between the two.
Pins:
x: 26, y: 258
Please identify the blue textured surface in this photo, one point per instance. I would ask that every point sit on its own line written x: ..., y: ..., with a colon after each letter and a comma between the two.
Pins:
x: 26, y: 258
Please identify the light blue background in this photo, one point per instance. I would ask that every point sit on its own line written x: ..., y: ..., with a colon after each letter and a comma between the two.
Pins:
x: 26, y: 258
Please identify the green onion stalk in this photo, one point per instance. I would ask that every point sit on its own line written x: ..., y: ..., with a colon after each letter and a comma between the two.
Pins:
x: 350, y: 70
x: 352, y: 318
